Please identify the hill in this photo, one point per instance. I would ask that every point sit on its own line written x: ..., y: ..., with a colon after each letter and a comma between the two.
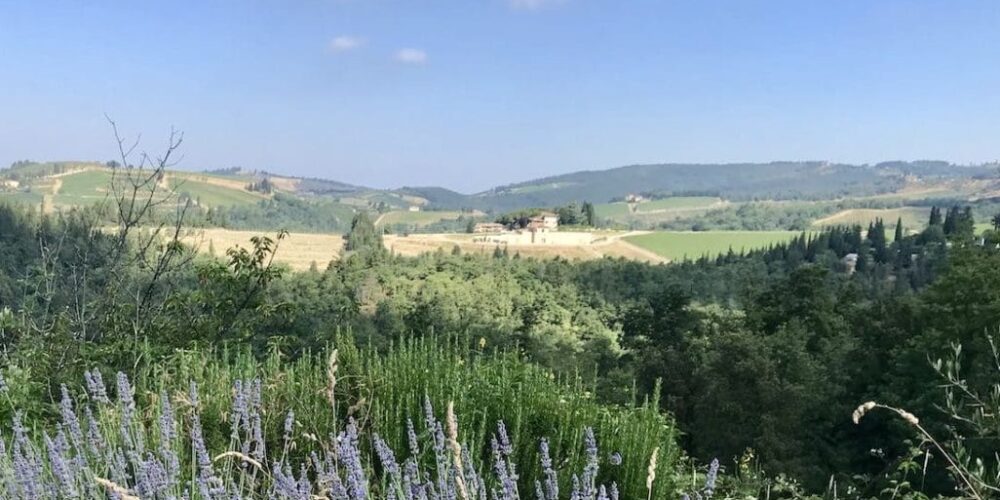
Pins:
x: 738, y: 181
x: 737, y: 196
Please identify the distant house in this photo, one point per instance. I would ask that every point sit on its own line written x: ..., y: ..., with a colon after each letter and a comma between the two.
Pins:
x: 850, y: 262
x: 489, y: 227
x: 634, y: 198
x: 10, y: 184
x: 536, y: 226
x: 545, y: 221
x: 414, y: 208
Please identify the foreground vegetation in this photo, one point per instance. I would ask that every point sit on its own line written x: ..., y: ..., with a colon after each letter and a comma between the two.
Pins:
x: 751, y: 361
x: 217, y: 425
x: 676, y: 245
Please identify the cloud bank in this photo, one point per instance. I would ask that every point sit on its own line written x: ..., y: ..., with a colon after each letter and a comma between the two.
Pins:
x: 534, y: 4
x: 411, y: 56
x: 345, y: 43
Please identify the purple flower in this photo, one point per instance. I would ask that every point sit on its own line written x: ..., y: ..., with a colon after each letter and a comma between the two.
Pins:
x: 711, y: 476
x: 96, y: 387
x: 289, y: 422
x: 69, y: 418
x: 589, y: 478
x: 350, y: 457
x: 411, y: 436
x: 551, y: 478
x: 60, y: 469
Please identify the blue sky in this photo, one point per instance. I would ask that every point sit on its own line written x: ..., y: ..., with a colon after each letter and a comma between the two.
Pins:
x: 472, y: 93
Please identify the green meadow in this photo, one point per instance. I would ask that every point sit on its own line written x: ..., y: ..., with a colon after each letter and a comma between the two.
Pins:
x: 678, y: 245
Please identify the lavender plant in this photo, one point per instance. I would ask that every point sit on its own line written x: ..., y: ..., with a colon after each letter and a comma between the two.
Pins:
x: 105, y: 447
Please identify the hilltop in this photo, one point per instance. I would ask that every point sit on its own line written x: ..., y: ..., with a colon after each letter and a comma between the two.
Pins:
x: 738, y: 196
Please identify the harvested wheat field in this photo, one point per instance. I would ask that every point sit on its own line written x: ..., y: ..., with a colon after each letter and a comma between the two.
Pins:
x: 298, y: 250
x: 567, y: 245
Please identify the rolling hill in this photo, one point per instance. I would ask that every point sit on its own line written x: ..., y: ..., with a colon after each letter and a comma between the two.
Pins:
x: 681, y: 195
x: 735, y: 182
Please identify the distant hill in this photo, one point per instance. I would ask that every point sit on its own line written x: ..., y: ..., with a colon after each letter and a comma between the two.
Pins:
x: 739, y: 181
x: 74, y: 183
x: 811, y: 180
x: 439, y: 197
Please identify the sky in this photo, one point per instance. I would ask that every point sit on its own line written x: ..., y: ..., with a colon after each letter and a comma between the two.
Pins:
x: 469, y: 94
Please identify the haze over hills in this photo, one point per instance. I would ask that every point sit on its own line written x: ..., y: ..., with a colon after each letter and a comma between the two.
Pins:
x: 740, y: 181
x: 807, y: 180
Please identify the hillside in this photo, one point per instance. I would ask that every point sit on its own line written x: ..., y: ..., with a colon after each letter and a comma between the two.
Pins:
x: 780, y: 180
x: 744, y: 196
x: 735, y: 182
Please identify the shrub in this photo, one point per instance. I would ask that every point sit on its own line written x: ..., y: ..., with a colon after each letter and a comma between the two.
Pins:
x: 208, y: 425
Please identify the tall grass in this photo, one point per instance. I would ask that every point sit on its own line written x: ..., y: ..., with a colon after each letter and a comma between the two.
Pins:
x: 382, y: 396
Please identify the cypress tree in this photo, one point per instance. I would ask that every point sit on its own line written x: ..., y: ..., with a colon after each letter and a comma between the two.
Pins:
x: 935, y: 216
x: 363, y: 234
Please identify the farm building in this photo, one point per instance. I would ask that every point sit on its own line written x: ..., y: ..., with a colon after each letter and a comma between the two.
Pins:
x: 489, y: 227
x: 544, y: 221
x: 850, y: 262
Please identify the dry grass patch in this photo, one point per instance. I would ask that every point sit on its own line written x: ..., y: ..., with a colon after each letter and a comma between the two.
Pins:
x: 299, y: 250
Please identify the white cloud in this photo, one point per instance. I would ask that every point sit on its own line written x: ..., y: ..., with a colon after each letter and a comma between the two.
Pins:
x: 345, y: 43
x: 534, y: 4
x: 411, y: 56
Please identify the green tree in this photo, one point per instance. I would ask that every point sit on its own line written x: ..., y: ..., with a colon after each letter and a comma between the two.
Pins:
x: 363, y: 235
x: 589, y: 214
x: 935, y: 218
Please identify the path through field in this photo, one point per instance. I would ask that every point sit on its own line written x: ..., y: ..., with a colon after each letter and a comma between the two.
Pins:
x: 298, y: 250
x: 582, y: 246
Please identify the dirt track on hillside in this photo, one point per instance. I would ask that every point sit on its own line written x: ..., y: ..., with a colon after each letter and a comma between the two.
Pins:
x: 600, y: 245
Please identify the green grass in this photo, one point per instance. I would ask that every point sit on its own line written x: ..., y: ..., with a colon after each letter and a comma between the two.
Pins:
x: 21, y: 197
x: 913, y: 217
x: 83, y: 188
x: 382, y: 391
x: 417, y: 218
x: 611, y: 210
x: 677, y: 245
x: 225, y: 177
x: 92, y: 186
x: 213, y: 195
x: 620, y: 210
x: 678, y: 202
x: 536, y: 188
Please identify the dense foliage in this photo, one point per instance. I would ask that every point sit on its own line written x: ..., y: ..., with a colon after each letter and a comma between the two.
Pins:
x: 761, y: 355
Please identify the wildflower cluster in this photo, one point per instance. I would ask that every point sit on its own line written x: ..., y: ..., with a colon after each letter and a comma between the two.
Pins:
x: 104, y: 447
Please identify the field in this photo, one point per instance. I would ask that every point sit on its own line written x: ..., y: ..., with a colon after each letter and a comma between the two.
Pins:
x: 418, y: 219
x: 650, y: 213
x: 213, y: 194
x: 82, y: 188
x: 301, y: 250
x: 913, y: 217
x: 676, y: 203
x: 20, y: 197
x: 677, y: 245
x: 536, y: 188
x: 298, y: 250
x: 567, y: 245
x: 91, y: 184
